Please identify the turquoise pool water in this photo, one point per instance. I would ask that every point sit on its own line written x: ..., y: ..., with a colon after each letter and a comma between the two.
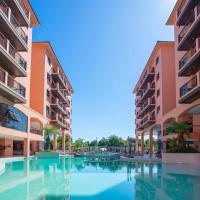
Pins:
x: 75, y: 179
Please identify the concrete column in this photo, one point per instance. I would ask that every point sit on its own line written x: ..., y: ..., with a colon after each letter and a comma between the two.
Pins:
x: 136, y: 144
x: 63, y: 142
x: 26, y: 147
x: 55, y: 143
x: 142, y: 143
x: 151, y: 141
x: 40, y: 145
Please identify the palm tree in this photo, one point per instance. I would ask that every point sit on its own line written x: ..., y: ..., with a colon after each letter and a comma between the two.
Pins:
x: 182, y: 129
x: 49, y: 131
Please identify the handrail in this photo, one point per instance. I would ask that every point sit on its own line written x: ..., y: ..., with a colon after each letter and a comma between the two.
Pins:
x: 188, y: 86
x: 23, y: 8
x: 17, y: 87
x: 185, y: 29
x: 12, y: 51
x: 187, y: 55
x: 18, y: 27
x: 11, y: 83
x: 4, y: 7
x: 180, y: 9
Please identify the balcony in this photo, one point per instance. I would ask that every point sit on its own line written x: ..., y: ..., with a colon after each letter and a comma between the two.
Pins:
x: 56, y: 76
x: 59, y: 107
x: 148, y: 91
x: 189, y: 63
x: 148, y: 106
x: 58, y: 121
x: 11, y: 60
x: 148, y: 120
x: 58, y: 92
x: 12, y: 28
x: 190, y: 91
x: 184, y: 11
x: 148, y: 77
x: 20, y: 11
x: 190, y: 30
x: 138, y: 102
x: 11, y: 89
x: 36, y: 131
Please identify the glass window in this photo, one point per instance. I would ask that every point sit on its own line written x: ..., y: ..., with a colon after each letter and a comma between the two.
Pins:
x: 11, y: 117
x: 49, y: 60
x: 48, y: 78
x: 47, y: 111
x: 157, y: 76
x: 157, y: 60
x: 158, y: 110
x: 158, y: 92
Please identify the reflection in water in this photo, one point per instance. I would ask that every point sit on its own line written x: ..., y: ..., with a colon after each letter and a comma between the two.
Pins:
x: 78, y: 179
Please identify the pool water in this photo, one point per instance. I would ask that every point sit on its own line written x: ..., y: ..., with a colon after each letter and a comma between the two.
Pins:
x: 76, y: 179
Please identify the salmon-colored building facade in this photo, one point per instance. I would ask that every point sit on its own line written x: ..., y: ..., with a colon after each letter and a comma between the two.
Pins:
x: 179, y: 80
x: 21, y: 124
x: 51, y: 92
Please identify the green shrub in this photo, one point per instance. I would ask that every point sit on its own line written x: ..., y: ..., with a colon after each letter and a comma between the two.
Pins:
x: 179, y: 149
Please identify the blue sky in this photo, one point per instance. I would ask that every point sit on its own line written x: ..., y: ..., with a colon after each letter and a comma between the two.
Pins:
x: 103, y: 46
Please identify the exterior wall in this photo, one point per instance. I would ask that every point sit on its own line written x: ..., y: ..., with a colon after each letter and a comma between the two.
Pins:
x: 7, y: 135
x: 37, y: 80
x: 168, y: 78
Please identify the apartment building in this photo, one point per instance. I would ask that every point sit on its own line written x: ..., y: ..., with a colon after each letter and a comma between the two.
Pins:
x: 155, y: 93
x: 20, y: 126
x: 185, y: 18
x: 51, y: 92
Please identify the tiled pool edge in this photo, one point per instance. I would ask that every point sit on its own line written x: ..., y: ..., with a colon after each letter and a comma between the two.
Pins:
x: 3, y: 161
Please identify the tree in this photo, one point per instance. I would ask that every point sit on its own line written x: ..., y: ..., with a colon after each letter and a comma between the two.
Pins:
x: 113, y: 140
x: 49, y: 131
x: 182, y: 129
x: 103, y: 142
x: 93, y: 143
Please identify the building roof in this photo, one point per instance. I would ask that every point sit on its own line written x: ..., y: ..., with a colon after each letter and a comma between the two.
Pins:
x: 34, y: 19
x: 157, y: 46
x: 49, y: 47
x: 172, y: 17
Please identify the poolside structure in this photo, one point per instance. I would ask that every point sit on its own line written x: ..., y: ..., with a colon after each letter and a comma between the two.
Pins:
x: 21, y: 125
x: 152, y: 86
x: 182, y: 84
x: 51, y: 92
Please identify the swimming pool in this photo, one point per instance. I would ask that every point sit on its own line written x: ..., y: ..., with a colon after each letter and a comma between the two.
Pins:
x: 75, y: 179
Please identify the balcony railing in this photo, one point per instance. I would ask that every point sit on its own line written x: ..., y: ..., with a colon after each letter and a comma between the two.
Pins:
x: 15, y: 23
x: 4, y: 8
x: 36, y: 131
x: 23, y: 8
x: 18, y: 28
x: 7, y: 46
x: 181, y: 7
x: 187, y: 87
x: 8, y: 81
x: 188, y: 55
x: 56, y: 101
x: 185, y: 29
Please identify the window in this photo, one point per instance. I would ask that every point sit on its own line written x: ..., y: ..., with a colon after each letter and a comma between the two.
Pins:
x: 48, y: 95
x: 49, y: 60
x: 47, y: 111
x: 157, y: 76
x: 48, y: 78
x: 11, y: 117
x: 157, y: 60
x: 158, y: 110
x: 158, y: 92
